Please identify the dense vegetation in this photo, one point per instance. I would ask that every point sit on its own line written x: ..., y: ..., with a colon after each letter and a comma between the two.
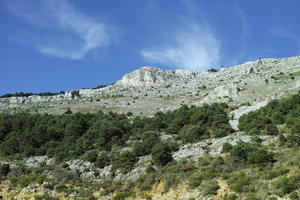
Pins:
x: 70, y: 136
x: 284, y: 113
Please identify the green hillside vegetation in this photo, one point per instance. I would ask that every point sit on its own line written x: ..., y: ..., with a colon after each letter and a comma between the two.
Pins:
x: 249, y: 170
x: 282, y: 113
x: 71, y: 136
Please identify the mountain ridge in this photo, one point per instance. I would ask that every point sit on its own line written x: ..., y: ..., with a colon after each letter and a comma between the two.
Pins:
x: 151, y: 89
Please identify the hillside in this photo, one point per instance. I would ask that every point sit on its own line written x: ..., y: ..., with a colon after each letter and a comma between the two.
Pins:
x: 232, y: 133
x: 150, y: 89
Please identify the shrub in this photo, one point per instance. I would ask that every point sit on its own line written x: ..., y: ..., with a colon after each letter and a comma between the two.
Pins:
x: 145, y: 187
x: 217, y: 162
x: 256, y: 139
x: 129, y: 114
x: 125, y: 161
x: 294, y: 196
x: 145, y: 147
x: 171, y: 180
x: 240, y: 182
x: 287, y: 185
x: 27, y: 179
x: 191, y: 133
x: 273, y: 173
x: 254, y: 131
x: 241, y: 150
x: 212, y: 70
x: 92, y: 156
x: 161, y: 154
x: 271, y: 129
x: 61, y: 188
x: 102, y: 160
x: 251, y: 153
x: 121, y: 195
x: 231, y: 197
x: 195, y: 180
x: 252, y: 196
x: 68, y: 111
x: 220, y: 132
x: 63, y: 176
x: 4, y: 169
x: 205, y: 174
x: 226, y: 147
x: 260, y: 157
x: 292, y: 140
x: 210, y: 187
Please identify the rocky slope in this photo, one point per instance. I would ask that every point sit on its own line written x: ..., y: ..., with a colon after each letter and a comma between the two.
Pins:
x: 149, y: 89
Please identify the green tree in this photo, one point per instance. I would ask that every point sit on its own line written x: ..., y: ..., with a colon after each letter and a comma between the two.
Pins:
x: 161, y: 154
x: 191, y: 133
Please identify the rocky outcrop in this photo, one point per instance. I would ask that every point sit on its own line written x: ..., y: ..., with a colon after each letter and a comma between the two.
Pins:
x: 214, y: 146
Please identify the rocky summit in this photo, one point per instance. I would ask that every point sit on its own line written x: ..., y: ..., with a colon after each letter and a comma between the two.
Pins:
x: 150, y: 89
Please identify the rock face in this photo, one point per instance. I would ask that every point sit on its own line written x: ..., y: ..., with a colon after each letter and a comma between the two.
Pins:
x: 150, y: 89
x: 153, y: 76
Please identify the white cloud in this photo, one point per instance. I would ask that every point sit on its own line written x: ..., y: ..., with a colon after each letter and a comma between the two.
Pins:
x: 287, y: 33
x: 61, y: 30
x: 191, y: 47
x: 243, y: 20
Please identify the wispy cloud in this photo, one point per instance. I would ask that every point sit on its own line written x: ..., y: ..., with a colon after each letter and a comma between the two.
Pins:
x: 240, y: 54
x: 286, y: 32
x: 61, y: 30
x: 192, y: 47
x: 243, y: 20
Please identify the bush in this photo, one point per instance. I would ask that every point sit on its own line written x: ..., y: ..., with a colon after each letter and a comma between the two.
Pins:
x: 4, y: 169
x: 145, y: 187
x: 240, y: 182
x: 145, y: 147
x: 161, y: 154
x: 63, y: 176
x: 231, y: 197
x: 125, y: 161
x: 254, y: 131
x: 273, y: 173
x: 171, y: 180
x: 251, y: 153
x: 191, y: 133
x: 287, y: 185
x: 102, y: 160
x: 226, y: 147
x: 122, y: 195
x: 294, y: 196
x: 205, y: 174
x: 195, y: 180
x: 27, y: 179
x: 271, y: 129
x: 241, y: 150
x: 92, y: 156
x: 292, y: 140
x: 210, y: 187
x: 260, y: 157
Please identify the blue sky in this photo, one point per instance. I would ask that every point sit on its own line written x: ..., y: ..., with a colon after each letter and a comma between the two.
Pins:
x: 53, y: 45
